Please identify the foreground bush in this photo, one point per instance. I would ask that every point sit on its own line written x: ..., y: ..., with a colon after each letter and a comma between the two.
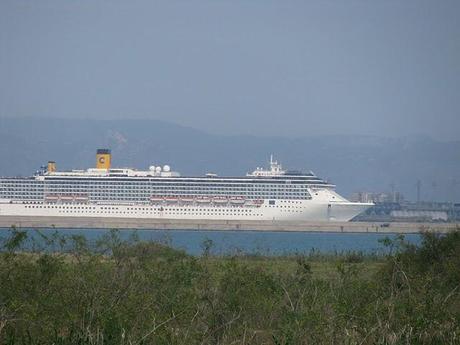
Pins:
x: 63, y: 290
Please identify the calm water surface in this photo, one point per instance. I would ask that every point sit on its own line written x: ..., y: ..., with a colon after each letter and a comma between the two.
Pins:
x: 250, y: 242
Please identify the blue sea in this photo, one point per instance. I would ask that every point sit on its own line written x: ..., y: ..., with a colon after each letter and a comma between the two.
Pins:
x: 248, y: 242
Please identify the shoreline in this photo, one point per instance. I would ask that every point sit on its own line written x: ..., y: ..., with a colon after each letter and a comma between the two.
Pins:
x: 222, y: 225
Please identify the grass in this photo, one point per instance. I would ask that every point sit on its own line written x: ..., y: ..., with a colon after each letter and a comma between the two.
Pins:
x: 326, y: 268
x: 69, y: 291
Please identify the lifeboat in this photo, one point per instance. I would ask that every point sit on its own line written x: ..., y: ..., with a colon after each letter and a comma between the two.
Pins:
x: 187, y: 199
x: 67, y: 197
x: 171, y: 199
x: 156, y: 198
x: 203, y: 200
x: 51, y: 198
x: 254, y: 203
x: 237, y: 201
x: 81, y: 198
x: 220, y: 200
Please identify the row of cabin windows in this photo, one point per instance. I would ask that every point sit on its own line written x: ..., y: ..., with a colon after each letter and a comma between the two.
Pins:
x: 208, y: 212
x: 126, y: 185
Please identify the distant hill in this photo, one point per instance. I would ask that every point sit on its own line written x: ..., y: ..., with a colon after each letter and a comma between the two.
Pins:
x: 353, y: 163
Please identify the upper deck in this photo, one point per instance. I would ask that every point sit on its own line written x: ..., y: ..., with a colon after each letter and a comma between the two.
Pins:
x: 127, y: 184
x: 276, y: 174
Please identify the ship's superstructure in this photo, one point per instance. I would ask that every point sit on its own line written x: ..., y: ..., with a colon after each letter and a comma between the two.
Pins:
x: 160, y: 193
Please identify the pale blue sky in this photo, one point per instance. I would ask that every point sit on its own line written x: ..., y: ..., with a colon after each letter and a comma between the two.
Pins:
x: 288, y: 68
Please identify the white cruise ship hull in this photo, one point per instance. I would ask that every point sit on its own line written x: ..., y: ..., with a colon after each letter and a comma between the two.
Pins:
x: 283, y: 210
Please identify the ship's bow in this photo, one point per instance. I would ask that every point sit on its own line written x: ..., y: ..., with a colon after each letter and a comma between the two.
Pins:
x: 344, y: 212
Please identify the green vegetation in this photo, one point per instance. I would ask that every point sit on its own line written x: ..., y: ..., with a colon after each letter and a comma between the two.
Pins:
x: 64, y: 290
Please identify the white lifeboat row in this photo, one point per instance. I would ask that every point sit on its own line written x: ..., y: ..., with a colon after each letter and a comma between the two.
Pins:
x: 78, y: 198
x: 203, y: 200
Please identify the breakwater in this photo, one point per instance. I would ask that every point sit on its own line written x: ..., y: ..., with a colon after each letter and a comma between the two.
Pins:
x: 259, y: 225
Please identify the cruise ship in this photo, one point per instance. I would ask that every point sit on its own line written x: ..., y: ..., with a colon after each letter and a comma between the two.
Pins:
x: 160, y: 193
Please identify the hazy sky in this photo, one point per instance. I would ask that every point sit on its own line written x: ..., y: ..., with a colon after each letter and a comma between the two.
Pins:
x: 255, y: 66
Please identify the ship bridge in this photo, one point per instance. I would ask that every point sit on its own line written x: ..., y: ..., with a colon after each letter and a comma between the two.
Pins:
x: 275, y: 170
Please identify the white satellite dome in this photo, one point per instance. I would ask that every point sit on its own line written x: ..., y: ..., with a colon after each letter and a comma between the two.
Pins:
x: 152, y: 168
x: 166, y: 168
x: 158, y: 169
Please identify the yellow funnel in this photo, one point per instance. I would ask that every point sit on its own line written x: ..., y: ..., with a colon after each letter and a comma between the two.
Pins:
x: 103, y: 159
x: 51, y: 166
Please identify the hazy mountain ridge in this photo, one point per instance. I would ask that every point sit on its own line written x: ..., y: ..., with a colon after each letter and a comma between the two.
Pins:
x: 353, y: 163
